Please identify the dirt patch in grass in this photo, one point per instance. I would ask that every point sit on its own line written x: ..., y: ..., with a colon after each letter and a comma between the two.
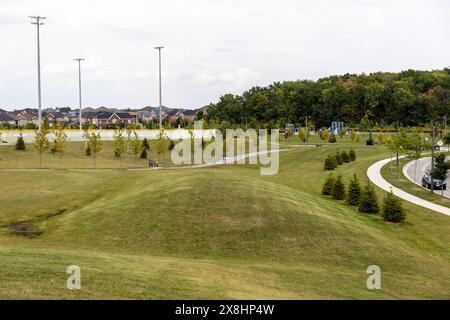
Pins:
x: 29, y: 228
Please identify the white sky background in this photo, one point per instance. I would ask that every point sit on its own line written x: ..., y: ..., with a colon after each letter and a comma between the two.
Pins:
x: 212, y: 47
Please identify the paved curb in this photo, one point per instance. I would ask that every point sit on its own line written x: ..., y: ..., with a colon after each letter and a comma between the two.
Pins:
x: 374, y: 175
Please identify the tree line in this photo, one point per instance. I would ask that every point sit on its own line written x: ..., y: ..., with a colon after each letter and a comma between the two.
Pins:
x: 408, y: 98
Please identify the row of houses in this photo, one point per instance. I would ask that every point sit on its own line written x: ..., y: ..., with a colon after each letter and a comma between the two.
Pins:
x: 101, y: 119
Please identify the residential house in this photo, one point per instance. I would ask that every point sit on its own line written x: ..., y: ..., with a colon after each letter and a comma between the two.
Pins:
x: 105, y: 119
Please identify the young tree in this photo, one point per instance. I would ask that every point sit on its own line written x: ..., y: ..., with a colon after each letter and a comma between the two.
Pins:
x: 143, y: 153
x: 20, y: 144
x: 446, y: 140
x: 41, y: 142
x: 330, y: 163
x: 120, y: 145
x: 324, y: 135
x: 145, y: 144
x: 415, y: 147
x: 392, y: 209
x: 368, y: 202
x: 339, y: 158
x: 345, y: 157
x: 136, y: 146
x: 161, y: 144
x: 354, y: 191
x: 338, y: 192
x: 332, y: 138
x: 60, y: 142
x: 327, y: 188
x: 352, y: 155
x: 94, y: 145
x: 353, y: 136
x: 302, y: 135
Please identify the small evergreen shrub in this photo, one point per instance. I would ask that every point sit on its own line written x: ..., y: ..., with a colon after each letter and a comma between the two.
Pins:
x: 144, y: 153
x: 338, y: 192
x: 332, y: 138
x: 145, y: 144
x: 352, y: 155
x: 345, y: 157
x: 392, y: 209
x: 327, y: 188
x: 330, y: 163
x: 339, y: 158
x: 20, y: 144
x: 354, y: 191
x: 368, y: 201
x: 88, y: 151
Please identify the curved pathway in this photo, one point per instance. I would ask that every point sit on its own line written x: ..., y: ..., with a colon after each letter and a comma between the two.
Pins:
x: 374, y: 174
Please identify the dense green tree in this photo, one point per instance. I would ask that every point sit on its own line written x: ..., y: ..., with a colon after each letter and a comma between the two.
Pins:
x: 20, y: 144
x: 352, y: 155
x: 327, y: 188
x: 392, y: 209
x: 330, y: 163
x: 354, y: 191
x: 345, y: 157
x: 368, y: 201
x: 338, y: 192
x: 339, y: 159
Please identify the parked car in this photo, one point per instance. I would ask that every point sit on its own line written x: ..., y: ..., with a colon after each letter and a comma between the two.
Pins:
x: 437, y: 184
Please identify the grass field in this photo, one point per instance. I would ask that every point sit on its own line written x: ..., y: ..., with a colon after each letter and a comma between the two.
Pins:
x: 224, y: 232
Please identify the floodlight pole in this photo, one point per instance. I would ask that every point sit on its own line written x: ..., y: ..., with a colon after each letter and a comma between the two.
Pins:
x: 160, y: 90
x: 79, y: 90
x: 38, y: 23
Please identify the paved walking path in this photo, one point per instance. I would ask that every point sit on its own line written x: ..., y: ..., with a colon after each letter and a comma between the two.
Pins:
x: 374, y: 174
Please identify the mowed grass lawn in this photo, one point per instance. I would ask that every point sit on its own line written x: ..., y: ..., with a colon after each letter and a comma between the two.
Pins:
x: 223, y: 232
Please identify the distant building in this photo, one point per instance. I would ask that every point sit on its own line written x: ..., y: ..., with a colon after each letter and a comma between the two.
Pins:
x: 105, y: 119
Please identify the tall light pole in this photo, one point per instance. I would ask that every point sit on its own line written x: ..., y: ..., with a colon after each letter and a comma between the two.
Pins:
x: 79, y: 89
x: 160, y: 90
x: 38, y: 23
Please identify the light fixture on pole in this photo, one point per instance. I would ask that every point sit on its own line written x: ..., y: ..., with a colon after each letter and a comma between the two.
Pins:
x: 79, y: 89
x: 160, y: 90
x: 38, y: 23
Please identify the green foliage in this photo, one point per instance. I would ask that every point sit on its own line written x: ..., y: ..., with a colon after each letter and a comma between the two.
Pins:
x: 41, y: 142
x: 161, y: 144
x: 352, y: 155
x: 441, y: 167
x: 136, y: 145
x: 20, y: 144
x: 330, y: 163
x: 60, y: 142
x: 338, y: 192
x: 332, y: 138
x: 88, y: 151
x: 324, y: 135
x: 411, y: 98
x: 327, y: 188
x: 171, y: 145
x: 345, y: 157
x: 145, y: 144
x: 120, y: 143
x: 143, y: 153
x: 338, y: 157
x: 94, y: 144
x: 354, y: 191
x: 368, y: 202
x: 392, y: 209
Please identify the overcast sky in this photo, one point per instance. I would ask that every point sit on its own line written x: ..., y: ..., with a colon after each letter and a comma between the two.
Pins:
x: 211, y: 46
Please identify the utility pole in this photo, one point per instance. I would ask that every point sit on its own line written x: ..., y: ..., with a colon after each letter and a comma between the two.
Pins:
x: 79, y: 90
x: 38, y: 23
x: 160, y: 90
x: 432, y: 155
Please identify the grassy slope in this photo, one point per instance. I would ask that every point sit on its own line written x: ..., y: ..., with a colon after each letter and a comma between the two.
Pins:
x: 223, y: 232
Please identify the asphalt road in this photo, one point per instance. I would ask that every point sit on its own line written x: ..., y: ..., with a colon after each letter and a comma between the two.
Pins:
x: 423, y: 166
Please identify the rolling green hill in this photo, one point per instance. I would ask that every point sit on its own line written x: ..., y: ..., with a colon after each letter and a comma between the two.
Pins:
x: 223, y: 232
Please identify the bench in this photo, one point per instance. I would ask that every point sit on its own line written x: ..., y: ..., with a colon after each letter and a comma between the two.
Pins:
x: 152, y: 164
